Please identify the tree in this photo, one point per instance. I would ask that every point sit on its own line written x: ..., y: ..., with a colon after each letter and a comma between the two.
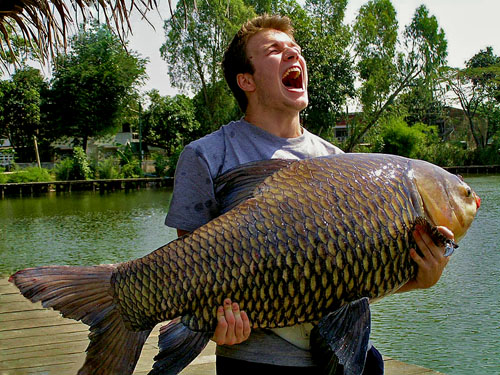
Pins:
x: 401, y: 139
x: 324, y: 40
x: 92, y: 84
x: 169, y: 122
x: 196, y: 37
x: 385, y: 73
x: 223, y: 110
x: 477, y: 89
x: 20, y: 102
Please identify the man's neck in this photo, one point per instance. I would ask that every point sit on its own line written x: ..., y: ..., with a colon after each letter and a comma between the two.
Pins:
x: 278, y: 124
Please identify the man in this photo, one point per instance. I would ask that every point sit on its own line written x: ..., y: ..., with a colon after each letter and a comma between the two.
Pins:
x: 267, y: 73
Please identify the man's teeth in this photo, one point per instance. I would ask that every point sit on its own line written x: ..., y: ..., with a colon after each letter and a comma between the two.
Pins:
x: 294, y: 73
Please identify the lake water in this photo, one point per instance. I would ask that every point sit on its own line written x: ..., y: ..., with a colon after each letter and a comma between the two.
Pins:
x: 453, y: 328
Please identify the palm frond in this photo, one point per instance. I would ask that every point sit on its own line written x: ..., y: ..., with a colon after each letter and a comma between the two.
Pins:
x: 44, y: 23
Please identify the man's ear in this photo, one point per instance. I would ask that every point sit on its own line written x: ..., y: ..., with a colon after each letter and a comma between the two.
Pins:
x: 246, y: 82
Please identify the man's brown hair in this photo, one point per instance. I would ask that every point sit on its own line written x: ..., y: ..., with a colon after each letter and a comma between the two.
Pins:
x: 236, y: 61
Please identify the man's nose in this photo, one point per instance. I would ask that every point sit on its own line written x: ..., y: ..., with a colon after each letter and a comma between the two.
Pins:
x: 290, y: 54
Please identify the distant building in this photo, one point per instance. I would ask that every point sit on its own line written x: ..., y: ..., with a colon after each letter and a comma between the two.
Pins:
x: 104, y: 146
x: 6, y: 153
x: 342, y: 126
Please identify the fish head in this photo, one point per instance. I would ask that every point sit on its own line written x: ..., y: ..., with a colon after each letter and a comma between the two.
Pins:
x: 446, y: 198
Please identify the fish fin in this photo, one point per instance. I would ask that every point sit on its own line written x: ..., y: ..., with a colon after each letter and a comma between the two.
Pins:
x: 179, y: 346
x: 238, y: 184
x: 439, y: 238
x: 339, y: 342
x: 83, y: 293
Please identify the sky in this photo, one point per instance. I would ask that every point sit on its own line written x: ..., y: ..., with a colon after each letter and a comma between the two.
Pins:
x: 469, y: 25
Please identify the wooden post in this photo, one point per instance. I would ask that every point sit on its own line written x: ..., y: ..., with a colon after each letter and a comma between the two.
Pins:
x: 36, y: 152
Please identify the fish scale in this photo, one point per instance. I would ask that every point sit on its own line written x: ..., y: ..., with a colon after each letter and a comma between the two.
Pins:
x: 275, y: 251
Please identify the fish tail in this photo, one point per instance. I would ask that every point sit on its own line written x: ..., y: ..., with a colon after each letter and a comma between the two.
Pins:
x: 178, y: 345
x: 84, y: 293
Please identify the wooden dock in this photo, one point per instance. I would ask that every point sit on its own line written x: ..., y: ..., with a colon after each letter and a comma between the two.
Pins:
x: 474, y: 169
x: 38, y: 341
x: 35, y: 188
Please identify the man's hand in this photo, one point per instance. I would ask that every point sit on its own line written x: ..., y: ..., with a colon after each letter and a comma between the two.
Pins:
x: 233, y: 326
x: 431, y: 264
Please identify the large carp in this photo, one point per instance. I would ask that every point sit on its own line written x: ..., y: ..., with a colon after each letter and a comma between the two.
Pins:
x: 299, y: 241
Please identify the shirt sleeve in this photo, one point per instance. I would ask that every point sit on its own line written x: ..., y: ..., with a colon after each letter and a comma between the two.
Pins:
x: 193, y: 201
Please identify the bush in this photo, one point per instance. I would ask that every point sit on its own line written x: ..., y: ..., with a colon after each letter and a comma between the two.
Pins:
x: 30, y: 174
x: 81, y: 167
x: 108, y: 168
x: 75, y: 168
x: 490, y: 155
x: 3, y: 177
x: 63, y: 169
x: 132, y: 169
x: 161, y: 164
x: 401, y: 139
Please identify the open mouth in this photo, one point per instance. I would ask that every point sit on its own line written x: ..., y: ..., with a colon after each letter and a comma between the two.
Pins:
x: 292, y: 78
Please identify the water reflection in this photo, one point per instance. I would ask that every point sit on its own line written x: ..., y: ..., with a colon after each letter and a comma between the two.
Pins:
x: 82, y: 228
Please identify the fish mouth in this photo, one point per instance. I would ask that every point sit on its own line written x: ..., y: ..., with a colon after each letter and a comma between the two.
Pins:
x: 292, y: 79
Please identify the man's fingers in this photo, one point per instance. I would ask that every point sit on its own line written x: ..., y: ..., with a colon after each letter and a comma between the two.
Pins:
x: 233, y: 325
x: 221, y: 329
x: 246, y: 325
x: 238, y: 323
x: 422, y: 240
x: 230, y: 319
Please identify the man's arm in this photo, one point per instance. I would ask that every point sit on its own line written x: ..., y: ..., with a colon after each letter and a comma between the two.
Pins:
x: 233, y: 325
x: 431, y: 264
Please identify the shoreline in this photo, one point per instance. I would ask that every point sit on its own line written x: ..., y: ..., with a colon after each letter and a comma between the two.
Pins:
x: 26, y: 189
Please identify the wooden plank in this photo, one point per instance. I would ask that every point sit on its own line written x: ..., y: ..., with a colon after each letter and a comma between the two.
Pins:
x: 25, y: 314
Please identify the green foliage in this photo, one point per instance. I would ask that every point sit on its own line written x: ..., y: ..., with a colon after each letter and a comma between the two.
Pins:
x: 324, y: 40
x: 161, y: 164
x: 376, y: 31
x: 386, y: 72
x: 447, y: 154
x: 92, y: 84
x: 169, y: 121
x: 63, y: 169
x: 221, y: 110
x: 74, y: 168
x: 3, y: 176
x: 196, y: 37
x: 129, y: 163
x: 17, y: 50
x: 477, y: 88
x: 132, y: 169
x: 20, y: 103
x: 30, y: 174
x: 81, y: 167
x: 108, y: 168
x: 410, y: 141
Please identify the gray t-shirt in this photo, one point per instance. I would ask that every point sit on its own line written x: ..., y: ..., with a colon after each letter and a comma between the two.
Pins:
x: 194, y: 204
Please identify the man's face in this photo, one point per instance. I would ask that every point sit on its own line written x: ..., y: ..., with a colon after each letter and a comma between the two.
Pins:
x: 280, y: 74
